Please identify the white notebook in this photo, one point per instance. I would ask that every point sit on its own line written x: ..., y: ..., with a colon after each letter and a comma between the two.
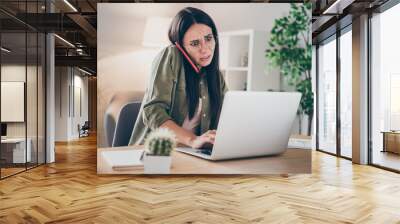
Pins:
x: 124, y: 159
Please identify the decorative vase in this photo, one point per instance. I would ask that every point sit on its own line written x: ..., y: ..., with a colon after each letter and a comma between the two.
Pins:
x: 157, y: 164
x: 244, y: 59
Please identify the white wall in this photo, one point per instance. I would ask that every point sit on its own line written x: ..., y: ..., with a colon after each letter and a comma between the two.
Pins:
x: 66, y: 121
x: 14, y: 73
x: 33, y: 126
x: 239, y: 16
x: 61, y: 103
x: 81, y: 83
x: 17, y: 73
x: 124, y: 64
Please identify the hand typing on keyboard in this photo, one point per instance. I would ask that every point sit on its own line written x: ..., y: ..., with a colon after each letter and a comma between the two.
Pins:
x: 205, y: 140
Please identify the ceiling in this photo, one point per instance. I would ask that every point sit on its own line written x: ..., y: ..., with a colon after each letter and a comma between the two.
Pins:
x: 331, y: 15
x: 76, y: 25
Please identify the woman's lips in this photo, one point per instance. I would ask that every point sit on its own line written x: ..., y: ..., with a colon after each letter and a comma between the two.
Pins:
x: 205, y: 58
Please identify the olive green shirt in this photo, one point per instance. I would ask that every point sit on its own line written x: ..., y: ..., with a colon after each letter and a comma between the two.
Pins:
x: 165, y: 97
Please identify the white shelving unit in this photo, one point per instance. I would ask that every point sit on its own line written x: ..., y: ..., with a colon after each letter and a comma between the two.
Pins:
x: 246, y: 74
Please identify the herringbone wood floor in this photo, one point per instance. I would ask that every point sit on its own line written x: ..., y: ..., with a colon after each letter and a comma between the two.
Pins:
x: 69, y: 191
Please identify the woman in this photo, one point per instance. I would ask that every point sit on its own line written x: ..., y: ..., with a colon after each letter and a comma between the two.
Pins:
x: 186, y: 88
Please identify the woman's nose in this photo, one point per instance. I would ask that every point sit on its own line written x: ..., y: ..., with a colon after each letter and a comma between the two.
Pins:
x: 203, y: 47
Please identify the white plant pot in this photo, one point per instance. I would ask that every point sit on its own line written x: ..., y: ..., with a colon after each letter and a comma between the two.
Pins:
x: 157, y: 164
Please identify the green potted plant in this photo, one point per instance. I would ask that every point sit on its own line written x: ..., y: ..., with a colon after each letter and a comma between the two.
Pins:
x: 159, y: 145
x: 290, y: 51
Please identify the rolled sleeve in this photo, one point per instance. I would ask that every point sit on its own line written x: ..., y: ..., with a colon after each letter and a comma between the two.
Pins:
x: 157, y: 105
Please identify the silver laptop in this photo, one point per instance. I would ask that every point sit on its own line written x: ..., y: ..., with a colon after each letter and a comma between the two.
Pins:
x: 252, y: 124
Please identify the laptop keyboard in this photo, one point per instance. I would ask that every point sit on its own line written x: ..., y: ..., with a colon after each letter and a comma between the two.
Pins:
x: 204, y: 151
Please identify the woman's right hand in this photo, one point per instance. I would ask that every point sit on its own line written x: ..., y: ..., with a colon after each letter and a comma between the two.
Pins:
x: 204, y: 140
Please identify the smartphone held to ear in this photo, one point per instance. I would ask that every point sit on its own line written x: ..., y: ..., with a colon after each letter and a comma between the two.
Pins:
x: 187, y: 57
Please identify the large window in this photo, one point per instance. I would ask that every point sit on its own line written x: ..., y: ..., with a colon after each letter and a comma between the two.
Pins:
x: 335, y: 96
x: 346, y: 93
x: 385, y: 89
x: 334, y: 104
x: 327, y: 96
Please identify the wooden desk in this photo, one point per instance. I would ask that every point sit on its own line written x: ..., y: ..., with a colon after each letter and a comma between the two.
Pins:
x: 391, y: 141
x: 13, y: 150
x: 292, y: 161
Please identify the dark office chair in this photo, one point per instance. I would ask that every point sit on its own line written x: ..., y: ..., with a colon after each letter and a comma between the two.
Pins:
x: 84, y: 129
x: 120, y: 117
x: 125, y: 123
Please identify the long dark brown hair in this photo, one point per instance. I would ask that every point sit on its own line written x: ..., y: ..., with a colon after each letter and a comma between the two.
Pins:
x: 179, y: 25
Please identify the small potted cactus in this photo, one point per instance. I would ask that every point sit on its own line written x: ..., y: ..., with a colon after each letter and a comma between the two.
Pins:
x: 159, y: 145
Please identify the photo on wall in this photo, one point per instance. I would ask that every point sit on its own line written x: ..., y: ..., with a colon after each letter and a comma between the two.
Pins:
x: 204, y: 88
